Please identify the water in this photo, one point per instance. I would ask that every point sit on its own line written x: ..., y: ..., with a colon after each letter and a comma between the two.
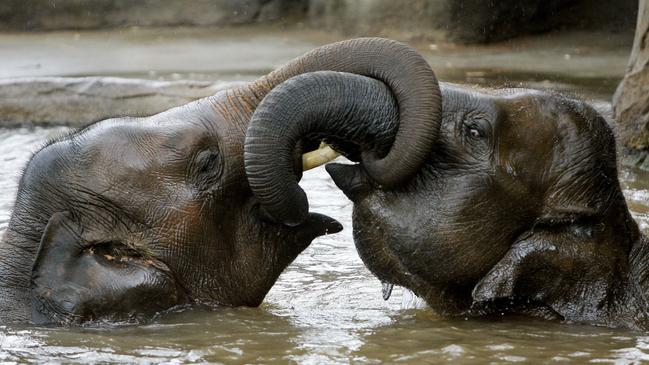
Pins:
x: 326, y: 308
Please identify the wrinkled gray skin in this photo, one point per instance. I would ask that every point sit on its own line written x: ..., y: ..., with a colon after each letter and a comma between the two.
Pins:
x: 132, y: 216
x: 518, y: 209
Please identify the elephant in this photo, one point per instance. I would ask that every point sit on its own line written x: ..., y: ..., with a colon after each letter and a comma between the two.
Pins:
x: 516, y: 210
x: 130, y: 217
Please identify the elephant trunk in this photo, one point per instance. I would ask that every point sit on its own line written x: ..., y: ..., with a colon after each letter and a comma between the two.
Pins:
x: 411, y: 81
x: 339, y: 107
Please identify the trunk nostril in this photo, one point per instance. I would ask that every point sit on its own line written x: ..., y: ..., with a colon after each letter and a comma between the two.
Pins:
x: 350, y: 179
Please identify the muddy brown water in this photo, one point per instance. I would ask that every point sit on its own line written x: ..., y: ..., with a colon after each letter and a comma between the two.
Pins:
x: 326, y: 307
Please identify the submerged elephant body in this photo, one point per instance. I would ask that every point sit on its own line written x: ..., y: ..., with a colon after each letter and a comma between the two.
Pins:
x: 518, y: 209
x: 132, y: 216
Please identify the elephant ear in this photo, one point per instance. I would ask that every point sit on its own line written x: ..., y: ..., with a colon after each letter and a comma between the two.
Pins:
x: 73, y: 282
x: 514, y: 274
x: 563, y: 271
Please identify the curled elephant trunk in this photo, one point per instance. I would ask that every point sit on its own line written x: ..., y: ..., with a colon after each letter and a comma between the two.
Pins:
x: 411, y: 82
x: 342, y: 108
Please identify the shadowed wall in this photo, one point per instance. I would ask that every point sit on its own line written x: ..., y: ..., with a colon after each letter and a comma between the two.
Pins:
x: 470, y: 21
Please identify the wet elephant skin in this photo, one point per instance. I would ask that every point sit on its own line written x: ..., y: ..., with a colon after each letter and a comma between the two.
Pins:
x: 129, y: 217
x: 518, y: 209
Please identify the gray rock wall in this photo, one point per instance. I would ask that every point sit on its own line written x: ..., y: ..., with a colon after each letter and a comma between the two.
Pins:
x: 631, y: 100
x: 79, y: 101
x: 470, y: 20
x: 454, y: 20
x: 93, y: 14
x: 364, y: 17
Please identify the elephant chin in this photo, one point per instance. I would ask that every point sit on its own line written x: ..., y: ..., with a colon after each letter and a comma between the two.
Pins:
x: 378, y: 255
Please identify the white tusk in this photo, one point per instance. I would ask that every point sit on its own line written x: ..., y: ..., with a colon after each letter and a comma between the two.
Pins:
x: 321, y: 156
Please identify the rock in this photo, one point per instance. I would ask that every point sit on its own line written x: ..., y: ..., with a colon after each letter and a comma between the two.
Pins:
x: 631, y: 99
x: 493, y: 20
x: 78, y: 14
x: 444, y: 20
x: 79, y: 101
x: 634, y: 159
x: 468, y: 21
x: 285, y: 10
x: 414, y: 18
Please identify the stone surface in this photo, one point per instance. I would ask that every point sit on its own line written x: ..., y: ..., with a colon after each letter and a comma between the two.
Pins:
x: 631, y: 100
x: 472, y: 21
x: 494, y: 20
x: 92, y: 14
x: 414, y: 18
x: 469, y: 21
x: 79, y: 101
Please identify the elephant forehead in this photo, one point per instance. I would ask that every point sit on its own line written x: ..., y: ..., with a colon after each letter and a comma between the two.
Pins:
x: 143, y: 164
x: 525, y: 137
x: 584, y: 170
x: 559, y: 146
x: 138, y: 145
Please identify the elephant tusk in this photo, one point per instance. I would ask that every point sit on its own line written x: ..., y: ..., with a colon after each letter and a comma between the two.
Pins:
x: 321, y: 156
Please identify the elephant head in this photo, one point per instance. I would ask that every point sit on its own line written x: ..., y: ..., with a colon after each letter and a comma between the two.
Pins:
x: 517, y: 208
x: 131, y: 216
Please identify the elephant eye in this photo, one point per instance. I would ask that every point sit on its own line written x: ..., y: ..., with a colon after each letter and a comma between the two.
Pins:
x: 473, y: 131
x: 475, y: 127
x: 206, y: 168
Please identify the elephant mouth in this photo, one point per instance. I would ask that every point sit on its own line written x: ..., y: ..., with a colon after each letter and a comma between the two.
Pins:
x: 263, y: 251
x: 319, y: 224
x: 315, y: 225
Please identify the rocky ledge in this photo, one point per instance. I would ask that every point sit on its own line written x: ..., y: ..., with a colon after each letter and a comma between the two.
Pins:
x: 80, y: 100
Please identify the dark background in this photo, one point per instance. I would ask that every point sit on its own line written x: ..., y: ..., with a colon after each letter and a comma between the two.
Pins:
x: 466, y: 21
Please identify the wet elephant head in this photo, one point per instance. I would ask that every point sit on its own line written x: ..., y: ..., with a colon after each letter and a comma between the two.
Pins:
x: 131, y: 216
x: 517, y: 209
